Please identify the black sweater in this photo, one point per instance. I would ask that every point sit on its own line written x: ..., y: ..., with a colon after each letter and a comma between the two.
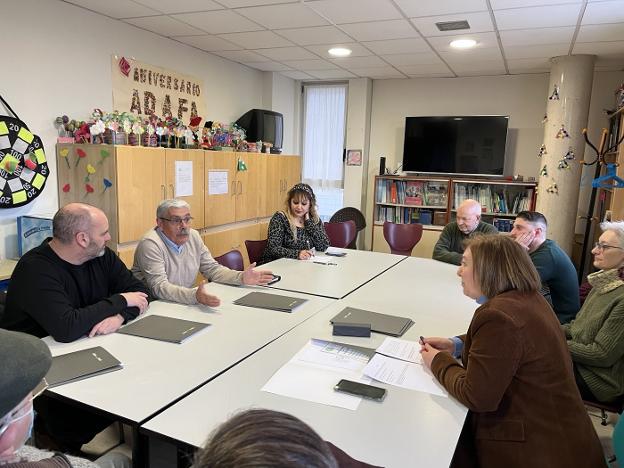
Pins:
x: 49, y: 296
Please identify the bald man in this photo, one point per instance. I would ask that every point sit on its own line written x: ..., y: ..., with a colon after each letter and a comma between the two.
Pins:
x: 450, y: 245
x: 72, y: 285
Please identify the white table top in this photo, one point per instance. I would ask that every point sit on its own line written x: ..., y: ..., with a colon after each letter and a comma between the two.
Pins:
x: 408, y: 428
x: 156, y: 373
x: 334, y: 281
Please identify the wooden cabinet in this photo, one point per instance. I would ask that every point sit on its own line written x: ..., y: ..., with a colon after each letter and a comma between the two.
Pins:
x: 283, y: 172
x: 220, y: 242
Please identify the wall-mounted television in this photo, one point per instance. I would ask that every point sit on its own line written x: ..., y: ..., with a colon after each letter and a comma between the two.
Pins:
x: 467, y: 145
x: 265, y: 125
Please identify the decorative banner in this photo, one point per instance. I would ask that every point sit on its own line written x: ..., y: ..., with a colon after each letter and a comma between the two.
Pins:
x: 145, y: 89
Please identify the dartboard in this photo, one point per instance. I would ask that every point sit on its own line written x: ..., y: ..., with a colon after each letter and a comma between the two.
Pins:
x: 23, y: 166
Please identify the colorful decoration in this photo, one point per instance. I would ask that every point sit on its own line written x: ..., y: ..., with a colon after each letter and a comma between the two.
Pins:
x: 563, y: 164
x: 562, y: 133
x: 66, y: 188
x: 544, y: 171
x: 64, y: 152
x: 89, y: 188
x: 103, y: 155
x: 81, y: 155
x: 30, y: 161
x: 552, y: 188
x: 570, y: 154
x: 90, y: 172
x: 10, y: 163
x: 542, y: 151
x: 555, y: 94
x: 241, y: 166
x: 107, y: 184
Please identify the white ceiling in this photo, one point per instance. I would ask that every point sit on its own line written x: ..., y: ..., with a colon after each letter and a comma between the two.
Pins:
x: 389, y: 38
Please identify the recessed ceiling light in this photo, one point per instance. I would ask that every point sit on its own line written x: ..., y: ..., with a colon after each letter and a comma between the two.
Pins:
x: 339, y: 52
x: 463, y: 43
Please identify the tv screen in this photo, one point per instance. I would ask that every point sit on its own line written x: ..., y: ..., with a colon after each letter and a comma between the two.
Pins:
x: 265, y: 125
x: 470, y: 145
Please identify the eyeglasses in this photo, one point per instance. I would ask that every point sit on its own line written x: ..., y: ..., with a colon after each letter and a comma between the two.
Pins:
x: 179, y: 221
x: 25, y: 408
x: 601, y: 246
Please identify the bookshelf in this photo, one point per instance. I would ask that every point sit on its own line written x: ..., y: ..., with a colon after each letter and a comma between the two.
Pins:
x: 433, y: 202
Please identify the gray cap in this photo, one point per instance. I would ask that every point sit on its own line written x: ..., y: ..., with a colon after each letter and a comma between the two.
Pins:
x: 25, y: 360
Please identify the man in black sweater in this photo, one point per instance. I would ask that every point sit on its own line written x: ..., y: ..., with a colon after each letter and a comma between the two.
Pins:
x: 70, y: 286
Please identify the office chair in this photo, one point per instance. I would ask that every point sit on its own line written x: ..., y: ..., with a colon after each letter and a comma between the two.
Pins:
x: 605, y: 408
x: 402, y: 237
x: 341, y: 234
x: 618, y: 441
x: 232, y: 259
x: 255, y: 249
x: 350, y: 214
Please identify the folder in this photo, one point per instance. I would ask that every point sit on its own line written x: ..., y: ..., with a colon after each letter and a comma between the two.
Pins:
x: 380, y: 323
x: 157, y: 327
x: 270, y: 301
x: 80, y: 365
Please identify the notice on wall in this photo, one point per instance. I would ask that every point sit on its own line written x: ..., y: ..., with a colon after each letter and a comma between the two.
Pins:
x: 183, y: 178
x: 217, y: 182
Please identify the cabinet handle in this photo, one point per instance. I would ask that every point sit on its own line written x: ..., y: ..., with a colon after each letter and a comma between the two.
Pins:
x: 172, y: 190
x: 164, y: 192
x: 233, y: 188
x: 241, y: 188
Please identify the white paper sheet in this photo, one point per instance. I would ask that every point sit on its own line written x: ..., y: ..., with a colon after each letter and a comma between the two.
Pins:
x: 401, y: 349
x: 183, y: 178
x: 314, y: 371
x: 217, y: 182
x: 403, y: 374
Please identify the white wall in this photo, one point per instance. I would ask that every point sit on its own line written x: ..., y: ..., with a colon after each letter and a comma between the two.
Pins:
x: 57, y: 61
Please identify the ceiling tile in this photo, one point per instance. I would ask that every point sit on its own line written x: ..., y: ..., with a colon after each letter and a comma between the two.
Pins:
x: 115, y: 8
x: 317, y: 35
x: 529, y: 65
x: 484, y: 67
x: 398, y: 46
x: 536, y: 51
x: 602, y: 49
x: 414, y: 9
x: 380, y: 30
x: 179, y: 6
x: 378, y: 73
x: 473, y: 55
x: 297, y: 75
x: 357, y: 50
x: 287, y: 53
x: 537, y: 17
x: 247, y: 3
x: 433, y: 75
x: 479, y: 22
x: 164, y: 25
x: 484, y: 40
x: 612, y: 64
x: 360, y: 62
x: 518, y: 37
x: 268, y: 66
x: 502, y: 4
x: 290, y: 15
x: 219, y: 22
x: 257, y: 39
x: 243, y: 56
x: 412, y: 59
x: 207, y: 43
x: 601, y: 33
x: 331, y: 74
x: 355, y: 11
x: 604, y: 12
x: 424, y: 69
x: 312, y: 65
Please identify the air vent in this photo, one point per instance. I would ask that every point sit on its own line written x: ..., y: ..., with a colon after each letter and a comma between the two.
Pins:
x: 453, y: 25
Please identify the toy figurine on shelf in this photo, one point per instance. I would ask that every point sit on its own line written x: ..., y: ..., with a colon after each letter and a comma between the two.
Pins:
x: 555, y: 94
x: 542, y: 151
x: 194, y: 128
x: 206, y: 141
x: 562, y: 133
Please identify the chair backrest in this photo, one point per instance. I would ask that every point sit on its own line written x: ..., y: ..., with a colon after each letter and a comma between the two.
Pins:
x: 402, y: 237
x: 255, y: 249
x: 232, y: 259
x: 341, y: 234
x: 350, y: 214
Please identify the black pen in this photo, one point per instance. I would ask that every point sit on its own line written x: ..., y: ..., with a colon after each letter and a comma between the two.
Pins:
x: 422, y: 340
x: 323, y: 263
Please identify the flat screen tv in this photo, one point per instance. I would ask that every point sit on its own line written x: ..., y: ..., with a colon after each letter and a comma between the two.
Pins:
x: 265, y: 125
x: 467, y: 145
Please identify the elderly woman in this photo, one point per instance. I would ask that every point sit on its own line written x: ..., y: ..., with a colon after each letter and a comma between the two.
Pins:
x: 294, y: 232
x: 515, y: 374
x: 596, y: 336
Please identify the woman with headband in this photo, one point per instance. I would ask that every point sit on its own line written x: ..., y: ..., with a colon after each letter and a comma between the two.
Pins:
x: 296, y: 231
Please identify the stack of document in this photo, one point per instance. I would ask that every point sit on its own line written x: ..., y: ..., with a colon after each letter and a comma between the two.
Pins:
x: 380, y: 323
x: 162, y: 328
x: 80, y: 365
x: 270, y: 301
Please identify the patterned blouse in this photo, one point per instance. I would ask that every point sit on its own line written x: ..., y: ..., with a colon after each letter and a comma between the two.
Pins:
x: 281, y: 243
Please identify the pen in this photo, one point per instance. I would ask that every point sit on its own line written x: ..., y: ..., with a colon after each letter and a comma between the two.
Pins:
x: 323, y: 263
x: 422, y: 339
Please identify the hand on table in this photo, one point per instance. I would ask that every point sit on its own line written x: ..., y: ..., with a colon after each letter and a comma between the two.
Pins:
x: 106, y: 326
x: 136, y: 299
x: 251, y: 276
x: 305, y: 254
x: 204, y: 298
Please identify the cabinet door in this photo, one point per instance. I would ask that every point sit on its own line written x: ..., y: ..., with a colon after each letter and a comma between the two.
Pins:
x: 275, y: 184
x: 196, y: 200
x: 219, y: 207
x: 291, y: 170
x: 221, y: 242
x: 251, y: 187
x: 140, y: 187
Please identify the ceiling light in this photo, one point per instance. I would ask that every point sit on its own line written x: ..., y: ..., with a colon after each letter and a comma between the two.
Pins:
x: 463, y: 43
x: 339, y: 52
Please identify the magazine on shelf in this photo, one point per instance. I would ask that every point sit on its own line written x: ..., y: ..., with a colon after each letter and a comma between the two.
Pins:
x: 414, y: 193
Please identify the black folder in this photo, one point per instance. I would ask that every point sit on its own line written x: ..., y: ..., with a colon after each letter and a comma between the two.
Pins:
x: 270, y: 301
x: 81, y: 365
x: 161, y: 328
x: 380, y: 323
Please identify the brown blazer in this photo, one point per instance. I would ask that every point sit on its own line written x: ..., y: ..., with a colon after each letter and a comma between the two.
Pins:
x: 517, y: 382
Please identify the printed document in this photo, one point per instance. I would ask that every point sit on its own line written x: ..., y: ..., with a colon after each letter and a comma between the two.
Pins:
x: 401, y: 349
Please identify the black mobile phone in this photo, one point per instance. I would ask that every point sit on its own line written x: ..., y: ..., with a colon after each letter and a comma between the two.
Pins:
x: 275, y: 279
x: 360, y: 389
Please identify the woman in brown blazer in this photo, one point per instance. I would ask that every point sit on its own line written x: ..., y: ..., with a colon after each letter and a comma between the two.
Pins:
x: 515, y: 375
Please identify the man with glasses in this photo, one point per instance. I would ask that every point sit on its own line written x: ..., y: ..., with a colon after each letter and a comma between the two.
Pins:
x: 169, y: 257
x: 25, y: 361
x: 556, y: 270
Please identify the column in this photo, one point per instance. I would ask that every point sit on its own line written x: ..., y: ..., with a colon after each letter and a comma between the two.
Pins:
x: 569, y: 93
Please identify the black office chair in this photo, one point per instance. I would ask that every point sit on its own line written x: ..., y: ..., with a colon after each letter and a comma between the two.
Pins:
x: 350, y: 214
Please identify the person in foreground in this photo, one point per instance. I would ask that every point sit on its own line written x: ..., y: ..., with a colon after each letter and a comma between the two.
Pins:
x: 467, y: 224
x: 296, y: 231
x: 170, y: 256
x: 556, y: 270
x: 596, y: 336
x: 515, y: 375
x: 25, y: 361
x: 261, y: 437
